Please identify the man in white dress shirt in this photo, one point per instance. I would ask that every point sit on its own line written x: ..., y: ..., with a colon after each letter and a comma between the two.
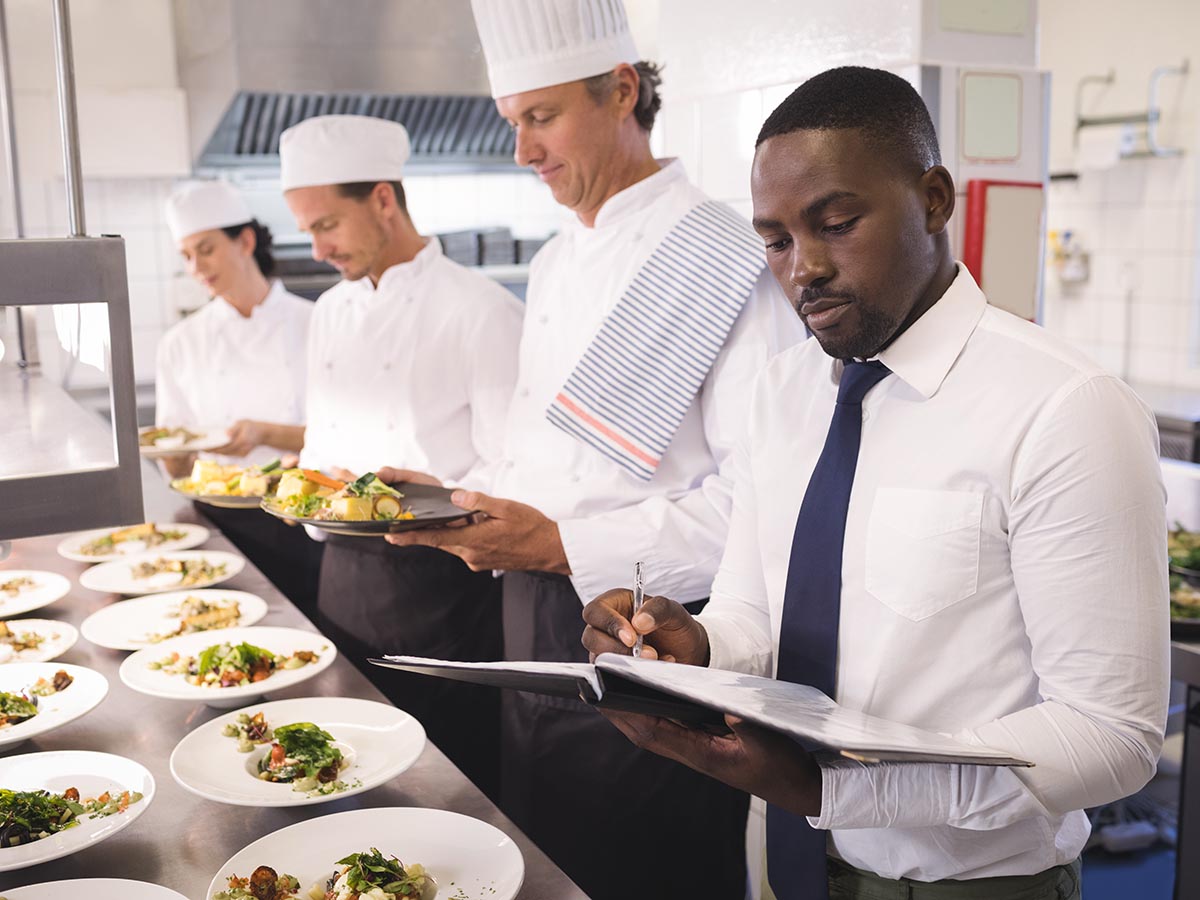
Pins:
x: 997, y: 555
x: 646, y: 321
x: 412, y: 357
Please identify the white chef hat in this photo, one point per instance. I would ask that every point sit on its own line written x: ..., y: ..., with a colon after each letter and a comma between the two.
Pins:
x: 531, y: 44
x: 205, y: 205
x: 342, y: 150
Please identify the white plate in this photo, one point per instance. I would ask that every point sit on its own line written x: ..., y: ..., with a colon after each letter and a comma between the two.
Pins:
x: 117, y: 577
x: 379, y: 741
x: 93, y: 774
x: 94, y: 889
x: 48, y: 587
x: 82, y: 696
x: 195, y: 535
x: 211, y: 437
x: 57, y: 639
x: 469, y: 859
x: 125, y: 624
x: 283, y: 641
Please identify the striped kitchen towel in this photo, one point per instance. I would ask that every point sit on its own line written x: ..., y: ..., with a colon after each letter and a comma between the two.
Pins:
x: 630, y: 390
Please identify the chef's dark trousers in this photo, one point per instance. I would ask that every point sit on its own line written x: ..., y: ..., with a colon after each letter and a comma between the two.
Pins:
x: 619, y: 821
x: 284, y: 553
x: 376, y: 598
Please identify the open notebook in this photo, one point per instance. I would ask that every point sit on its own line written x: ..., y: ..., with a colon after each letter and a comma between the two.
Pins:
x: 700, y: 697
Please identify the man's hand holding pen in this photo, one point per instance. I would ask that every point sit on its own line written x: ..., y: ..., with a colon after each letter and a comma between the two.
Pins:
x: 669, y: 632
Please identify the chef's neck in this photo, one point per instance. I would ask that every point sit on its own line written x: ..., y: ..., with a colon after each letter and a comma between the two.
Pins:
x: 249, y: 292
x: 402, y: 244
x: 632, y: 163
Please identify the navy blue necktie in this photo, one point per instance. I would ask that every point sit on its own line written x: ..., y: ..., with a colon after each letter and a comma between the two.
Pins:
x: 808, y: 635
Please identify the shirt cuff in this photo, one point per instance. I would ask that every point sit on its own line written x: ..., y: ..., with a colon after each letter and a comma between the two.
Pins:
x: 597, y: 561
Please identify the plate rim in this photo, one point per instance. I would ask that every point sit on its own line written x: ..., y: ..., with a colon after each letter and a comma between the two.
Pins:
x: 90, y: 574
x: 203, y: 695
x: 6, y: 740
x: 58, y: 623
x: 65, y: 552
x: 215, y: 885
x: 66, y: 589
x: 119, y: 604
x: 300, y: 800
x: 24, y: 891
x: 123, y: 823
x: 206, y: 431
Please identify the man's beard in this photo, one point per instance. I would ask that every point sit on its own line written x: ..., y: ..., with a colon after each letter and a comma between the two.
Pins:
x: 875, y: 329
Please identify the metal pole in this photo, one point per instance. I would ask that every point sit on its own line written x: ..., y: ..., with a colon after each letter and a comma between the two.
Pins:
x: 6, y: 123
x: 68, y: 118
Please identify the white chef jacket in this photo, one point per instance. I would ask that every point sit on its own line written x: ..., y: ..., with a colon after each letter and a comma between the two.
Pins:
x: 674, y: 523
x: 415, y: 373
x: 218, y: 366
x: 1004, y: 579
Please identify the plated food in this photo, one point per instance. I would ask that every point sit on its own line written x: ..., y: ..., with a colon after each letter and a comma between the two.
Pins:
x: 297, y: 752
x: 367, y: 875
x: 366, y: 506
x: 93, y: 889
x: 107, y: 544
x: 229, y: 666
x: 1183, y: 551
x: 152, y: 573
x: 35, y: 640
x: 357, y: 855
x: 143, y: 621
x: 22, y: 590
x: 156, y: 442
x: 62, y: 801
x: 228, y: 486
x: 38, y: 697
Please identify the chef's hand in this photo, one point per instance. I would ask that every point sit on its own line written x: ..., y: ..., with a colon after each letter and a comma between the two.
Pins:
x: 509, y: 536
x: 244, y: 436
x: 342, y: 474
x: 669, y: 631
x: 178, y: 466
x: 752, y: 759
x: 390, y: 475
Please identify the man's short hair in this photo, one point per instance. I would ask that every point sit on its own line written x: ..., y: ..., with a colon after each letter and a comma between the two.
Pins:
x: 648, y: 103
x: 884, y: 106
x: 361, y: 190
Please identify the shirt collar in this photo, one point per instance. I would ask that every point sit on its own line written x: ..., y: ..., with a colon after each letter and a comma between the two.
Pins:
x: 226, y: 312
x: 924, y: 354
x: 408, y: 272
x: 639, y: 195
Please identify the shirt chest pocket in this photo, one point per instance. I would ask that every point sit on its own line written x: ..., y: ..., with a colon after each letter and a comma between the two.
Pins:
x: 923, y: 549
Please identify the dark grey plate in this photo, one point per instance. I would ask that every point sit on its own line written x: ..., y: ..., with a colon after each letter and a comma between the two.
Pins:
x: 429, y: 504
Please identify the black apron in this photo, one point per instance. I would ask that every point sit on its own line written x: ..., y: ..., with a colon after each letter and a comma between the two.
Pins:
x: 620, y: 821
x: 284, y: 553
x: 376, y: 598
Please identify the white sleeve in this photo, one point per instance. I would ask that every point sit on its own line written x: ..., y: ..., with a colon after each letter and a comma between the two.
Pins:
x: 1087, y: 530
x: 682, y: 537
x: 171, y: 407
x: 494, y: 346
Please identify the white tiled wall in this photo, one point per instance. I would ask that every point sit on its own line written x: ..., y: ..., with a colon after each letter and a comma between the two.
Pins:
x: 1136, y: 314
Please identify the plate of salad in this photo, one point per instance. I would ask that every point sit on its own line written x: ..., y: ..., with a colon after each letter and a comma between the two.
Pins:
x: 39, y: 697
x: 143, y: 621
x: 388, y: 853
x: 365, y: 507
x: 35, y: 640
x: 229, y: 667
x: 155, y: 573
x: 22, y: 590
x: 159, y: 442
x: 297, y: 752
x: 107, y: 544
x: 60, y: 802
x: 1183, y: 551
x: 93, y: 889
x: 230, y: 487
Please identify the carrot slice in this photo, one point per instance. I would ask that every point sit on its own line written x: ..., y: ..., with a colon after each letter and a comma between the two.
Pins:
x: 323, y: 479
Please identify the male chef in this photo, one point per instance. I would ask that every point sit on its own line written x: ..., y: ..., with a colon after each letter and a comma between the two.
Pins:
x: 411, y: 357
x: 646, y: 322
x: 942, y: 516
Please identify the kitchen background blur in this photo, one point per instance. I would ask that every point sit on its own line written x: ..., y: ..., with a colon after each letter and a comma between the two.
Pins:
x: 1103, y: 248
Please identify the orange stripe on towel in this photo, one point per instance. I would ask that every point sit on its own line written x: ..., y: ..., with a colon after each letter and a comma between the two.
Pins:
x: 607, y: 432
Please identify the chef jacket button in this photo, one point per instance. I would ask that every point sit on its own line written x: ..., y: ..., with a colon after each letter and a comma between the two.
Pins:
x: 576, y: 479
x: 637, y: 236
x: 391, y: 426
x: 387, y: 366
x: 328, y: 365
x: 543, y: 319
x: 524, y: 392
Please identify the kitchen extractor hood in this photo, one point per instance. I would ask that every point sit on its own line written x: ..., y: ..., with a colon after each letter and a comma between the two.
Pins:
x: 446, y: 132
x: 252, y: 68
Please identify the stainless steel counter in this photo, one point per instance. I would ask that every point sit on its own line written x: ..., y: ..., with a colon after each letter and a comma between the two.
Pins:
x: 182, y: 840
